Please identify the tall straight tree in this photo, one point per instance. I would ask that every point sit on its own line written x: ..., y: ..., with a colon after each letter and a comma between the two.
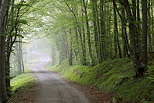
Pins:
x: 116, y: 38
x: 102, y: 32
x: 144, y: 35
x: 88, y: 33
x: 94, y: 3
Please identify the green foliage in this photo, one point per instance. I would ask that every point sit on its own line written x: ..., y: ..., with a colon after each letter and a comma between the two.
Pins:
x: 22, y: 82
x: 111, y: 76
x: 23, y: 21
x: 151, y: 72
x: 20, y: 5
x: 135, y: 90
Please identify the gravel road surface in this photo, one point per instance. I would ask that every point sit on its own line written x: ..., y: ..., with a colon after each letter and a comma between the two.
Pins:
x: 53, y: 89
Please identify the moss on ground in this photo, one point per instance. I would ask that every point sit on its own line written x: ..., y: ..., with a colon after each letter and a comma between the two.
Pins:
x: 114, y: 76
x: 22, y: 83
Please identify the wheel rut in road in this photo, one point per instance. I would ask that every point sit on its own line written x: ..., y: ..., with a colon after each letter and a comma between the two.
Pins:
x: 53, y: 89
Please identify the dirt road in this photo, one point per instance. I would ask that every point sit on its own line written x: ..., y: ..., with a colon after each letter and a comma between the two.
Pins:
x: 53, y: 89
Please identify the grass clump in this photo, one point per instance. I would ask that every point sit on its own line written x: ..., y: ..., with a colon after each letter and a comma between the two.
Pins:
x: 22, y: 82
x: 114, y: 76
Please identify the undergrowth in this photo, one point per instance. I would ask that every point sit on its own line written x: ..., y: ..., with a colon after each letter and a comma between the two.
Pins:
x: 115, y: 76
x: 22, y: 83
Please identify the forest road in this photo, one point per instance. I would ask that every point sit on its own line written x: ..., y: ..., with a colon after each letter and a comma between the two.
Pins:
x: 53, y: 89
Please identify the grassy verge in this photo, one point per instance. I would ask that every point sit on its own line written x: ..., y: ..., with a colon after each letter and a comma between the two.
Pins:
x: 20, y: 85
x: 114, y: 76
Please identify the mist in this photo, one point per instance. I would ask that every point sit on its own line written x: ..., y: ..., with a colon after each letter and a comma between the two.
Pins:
x: 39, y: 50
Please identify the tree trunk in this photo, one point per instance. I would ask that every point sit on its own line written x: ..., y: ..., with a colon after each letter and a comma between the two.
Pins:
x: 7, y: 73
x: 150, y: 48
x: 102, y: 32
x: 83, y: 43
x: 4, y: 7
x: 144, y: 37
x: 134, y: 37
x: 116, y: 38
x: 94, y: 3
x: 70, y: 59
x: 3, y: 94
x: 88, y: 33
x: 124, y: 35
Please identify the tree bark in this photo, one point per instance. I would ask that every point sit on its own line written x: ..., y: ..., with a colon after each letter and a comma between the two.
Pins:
x: 150, y: 47
x: 144, y: 36
x: 70, y: 59
x: 124, y: 35
x: 102, y: 32
x: 116, y: 38
x: 4, y: 7
x: 88, y: 34
x: 94, y: 3
x: 134, y: 36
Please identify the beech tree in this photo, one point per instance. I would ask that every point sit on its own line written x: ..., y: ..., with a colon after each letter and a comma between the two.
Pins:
x: 4, y: 8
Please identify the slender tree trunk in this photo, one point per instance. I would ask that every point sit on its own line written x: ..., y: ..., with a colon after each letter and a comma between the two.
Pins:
x: 152, y: 21
x: 116, y: 38
x: 144, y: 35
x: 99, y: 34
x: 70, y: 55
x: 124, y: 35
x: 84, y: 48
x: 150, y: 48
x: 18, y: 59
x: 115, y: 30
x: 102, y: 32
x: 70, y: 59
x: 95, y: 30
x: 138, y: 16
x: 83, y: 39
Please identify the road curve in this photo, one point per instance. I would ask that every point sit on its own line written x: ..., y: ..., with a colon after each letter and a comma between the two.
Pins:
x: 53, y: 89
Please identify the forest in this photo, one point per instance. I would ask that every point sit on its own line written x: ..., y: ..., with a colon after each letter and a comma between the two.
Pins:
x: 105, y: 44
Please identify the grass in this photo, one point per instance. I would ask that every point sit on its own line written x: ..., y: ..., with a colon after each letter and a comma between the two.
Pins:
x: 114, y: 76
x: 21, y: 84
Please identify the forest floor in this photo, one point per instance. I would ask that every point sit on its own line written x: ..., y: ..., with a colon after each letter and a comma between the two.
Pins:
x: 27, y: 96
x: 93, y: 94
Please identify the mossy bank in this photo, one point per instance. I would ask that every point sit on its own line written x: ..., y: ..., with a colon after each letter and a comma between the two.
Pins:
x: 21, y: 87
x: 114, y: 76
